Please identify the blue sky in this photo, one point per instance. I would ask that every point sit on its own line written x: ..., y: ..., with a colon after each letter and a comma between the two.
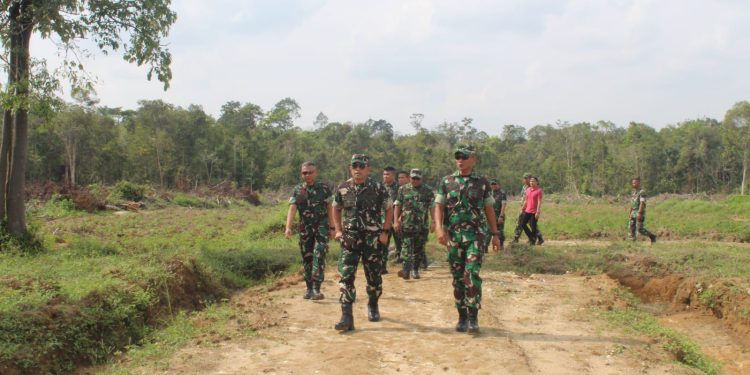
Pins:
x: 522, y: 62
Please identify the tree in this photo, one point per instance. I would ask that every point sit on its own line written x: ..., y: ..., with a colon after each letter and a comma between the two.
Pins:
x: 147, y: 22
x: 320, y: 121
x: 737, y: 122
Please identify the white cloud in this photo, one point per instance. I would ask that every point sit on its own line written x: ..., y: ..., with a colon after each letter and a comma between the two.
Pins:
x: 499, y: 62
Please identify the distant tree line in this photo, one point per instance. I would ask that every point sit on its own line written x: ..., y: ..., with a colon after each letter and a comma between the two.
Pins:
x: 166, y: 146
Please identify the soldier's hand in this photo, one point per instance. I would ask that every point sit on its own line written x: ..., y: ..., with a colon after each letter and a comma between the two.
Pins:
x: 495, y: 244
x: 338, y: 235
x: 383, y: 238
x: 442, y: 237
x: 396, y: 227
x: 639, y: 217
x: 501, y: 220
x: 432, y: 227
x: 288, y: 233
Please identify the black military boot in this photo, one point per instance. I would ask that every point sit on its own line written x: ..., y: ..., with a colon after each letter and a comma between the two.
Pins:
x: 316, y: 294
x: 309, y: 292
x: 462, y: 324
x: 404, y: 271
x: 473, y: 326
x: 539, y: 239
x: 415, y: 271
x: 652, y: 237
x: 425, y: 262
x: 373, y: 313
x: 347, y: 320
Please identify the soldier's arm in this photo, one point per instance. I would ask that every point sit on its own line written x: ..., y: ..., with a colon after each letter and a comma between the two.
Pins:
x: 289, y: 220
x: 396, y: 216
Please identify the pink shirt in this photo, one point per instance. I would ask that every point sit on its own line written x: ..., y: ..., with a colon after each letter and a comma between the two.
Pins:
x: 533, y: 198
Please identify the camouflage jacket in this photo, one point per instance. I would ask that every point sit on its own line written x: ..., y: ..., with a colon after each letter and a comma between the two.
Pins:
x: 311, y: 203
x: 362, y: 206
x: 415, y: 203
x: 500, y: 197
x: 392, y: 192
x: 635, y: 202
x: 464, y: 199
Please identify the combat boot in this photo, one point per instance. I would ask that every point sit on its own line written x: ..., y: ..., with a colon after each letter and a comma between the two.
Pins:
x: 415, y: 271
x: 425, y: 262
x: 309, y: 292
x: 462, y: 324
x: 347, y: 320
x: 473, y: 326
x: 539, y: 239
x: 373, y: 313
x: 404, y: 272
x: 316, y: 294
x: 652, y: 237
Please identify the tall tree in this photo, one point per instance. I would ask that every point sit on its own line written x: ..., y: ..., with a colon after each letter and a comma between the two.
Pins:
x: 146, y: 22
x: 737, y: 121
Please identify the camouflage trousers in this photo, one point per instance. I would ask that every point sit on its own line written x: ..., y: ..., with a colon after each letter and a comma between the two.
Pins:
x: 384, y: 248
x: 501, y: 235
x: 635, y: 224
x: 313, y: 244
x: 465, y: 260
x: 353, y: 247
x: 412, y: 246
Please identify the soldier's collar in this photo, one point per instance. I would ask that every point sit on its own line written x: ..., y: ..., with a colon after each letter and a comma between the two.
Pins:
x: 458, y: 174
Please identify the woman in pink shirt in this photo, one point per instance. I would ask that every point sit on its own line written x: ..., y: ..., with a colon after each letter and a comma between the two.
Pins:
x: 532, y: 208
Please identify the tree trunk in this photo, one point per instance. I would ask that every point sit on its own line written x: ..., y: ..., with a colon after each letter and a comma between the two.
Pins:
x: 21, y: 26
x: 745, y: 164
x: 5, y: 149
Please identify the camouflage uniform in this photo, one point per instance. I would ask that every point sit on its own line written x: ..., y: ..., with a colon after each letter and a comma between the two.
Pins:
x: 415, y: 202
x: 464, y: 199
x: 392, y: 192
x: 500, y: 198
x: 361, y: 216
x: 312, y: 204
x: 633, y: 224
x: 517, y: 232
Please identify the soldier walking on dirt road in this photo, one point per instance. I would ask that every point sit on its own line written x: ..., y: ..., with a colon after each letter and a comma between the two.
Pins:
x: 460, y: 199
x: 414, y: 202
x: 637, y: 214
x: 389, y: 180
x: 312, y: 199
x: 358, y: 208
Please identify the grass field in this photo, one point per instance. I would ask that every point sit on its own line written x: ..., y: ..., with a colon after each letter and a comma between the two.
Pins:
x: 105, y: 280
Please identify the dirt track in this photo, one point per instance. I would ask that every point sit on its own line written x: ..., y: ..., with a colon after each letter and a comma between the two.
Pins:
x: 529, y: 325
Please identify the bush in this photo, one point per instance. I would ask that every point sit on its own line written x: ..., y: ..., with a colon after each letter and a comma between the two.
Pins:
x: 128, y: 191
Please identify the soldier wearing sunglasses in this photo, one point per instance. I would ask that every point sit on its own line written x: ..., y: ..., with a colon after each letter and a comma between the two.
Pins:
x: 313, y: 200
x: 358, y: 208
x: 460, y: 200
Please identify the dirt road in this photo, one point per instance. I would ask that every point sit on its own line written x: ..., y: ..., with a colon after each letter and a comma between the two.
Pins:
x: 529, y: 325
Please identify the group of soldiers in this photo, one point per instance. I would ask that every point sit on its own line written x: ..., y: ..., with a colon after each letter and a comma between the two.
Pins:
x: 466, y: 211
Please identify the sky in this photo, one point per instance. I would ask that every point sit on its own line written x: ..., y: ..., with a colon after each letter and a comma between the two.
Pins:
x: 520, y: 62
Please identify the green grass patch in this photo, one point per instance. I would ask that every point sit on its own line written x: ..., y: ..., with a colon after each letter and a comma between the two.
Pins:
x: 683, y: 349
x: 104, y: 279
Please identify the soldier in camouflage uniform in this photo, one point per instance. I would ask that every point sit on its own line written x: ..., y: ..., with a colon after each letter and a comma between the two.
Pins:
x: 501, y: 200
x: 313, y: 200
x: 460, y: 199
x: 413, y: 203
x: 358, y: 207
x: 389, y: 180
x: 638, y: 211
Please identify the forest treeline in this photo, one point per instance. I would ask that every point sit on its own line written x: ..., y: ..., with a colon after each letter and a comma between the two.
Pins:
x: 166, y: 145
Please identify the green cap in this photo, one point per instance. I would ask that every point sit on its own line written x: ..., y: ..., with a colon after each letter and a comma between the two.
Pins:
x: 360, y: 158
x: 527, y: 175
x: 416, y: 173
x: 493, y: 181
x: 465, y: 149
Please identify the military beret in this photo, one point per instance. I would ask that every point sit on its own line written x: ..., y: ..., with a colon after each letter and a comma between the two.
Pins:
x: 360, y: 158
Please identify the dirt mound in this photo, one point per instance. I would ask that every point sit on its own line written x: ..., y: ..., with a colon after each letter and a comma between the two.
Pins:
x: 726, y: 299
x: 90, y: 329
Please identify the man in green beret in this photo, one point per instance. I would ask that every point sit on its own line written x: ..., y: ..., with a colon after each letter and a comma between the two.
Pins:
x: 460, y: 200
x: 359, y: 204
x: 414, y: 202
